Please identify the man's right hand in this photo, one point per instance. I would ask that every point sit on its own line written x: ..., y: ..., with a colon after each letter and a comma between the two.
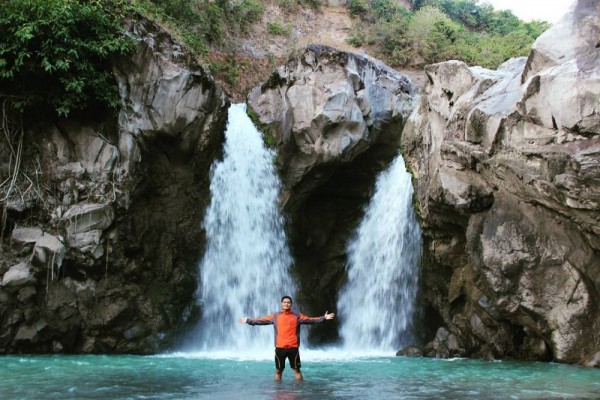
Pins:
x: 243, y: 320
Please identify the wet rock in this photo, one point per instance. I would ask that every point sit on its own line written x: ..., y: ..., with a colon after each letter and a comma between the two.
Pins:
x: 108, y: 311
x: 49, y: 251
x: 30, y: 333
x: 82, y: 218
x: 87, y: 242
x: 592, y: 360
x: 88, y: 345
x: 95, y: 154
x: 26, y: 293
x: 57, y: 347
x: 445, y: 345
x: 70, y: 170
x: 19, y: 275
x: 135, y: 331
x: 410, y: 351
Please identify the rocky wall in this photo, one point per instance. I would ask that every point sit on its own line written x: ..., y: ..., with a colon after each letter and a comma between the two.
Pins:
x: 102, y: 258
x: 507, y: 172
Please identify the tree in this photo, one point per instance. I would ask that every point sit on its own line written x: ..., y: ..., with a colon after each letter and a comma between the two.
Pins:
x: 56, y: 53
x: 430, y: 24
x: 502, y: 23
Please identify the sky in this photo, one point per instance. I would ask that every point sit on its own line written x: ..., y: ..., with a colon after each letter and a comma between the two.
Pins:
x: 527, y: 10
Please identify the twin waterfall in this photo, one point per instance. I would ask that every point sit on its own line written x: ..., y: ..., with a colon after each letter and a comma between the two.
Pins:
x: 245, y: 269
x: 377, y: 303
x: 246, y: 266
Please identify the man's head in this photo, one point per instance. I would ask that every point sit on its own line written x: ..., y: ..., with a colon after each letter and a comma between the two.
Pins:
x: 286, y: 302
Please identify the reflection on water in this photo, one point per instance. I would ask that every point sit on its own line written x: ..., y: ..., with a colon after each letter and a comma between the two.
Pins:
x: 328, y: 374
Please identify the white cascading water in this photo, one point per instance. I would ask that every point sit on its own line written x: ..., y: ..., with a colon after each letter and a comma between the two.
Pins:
x: 376, y: 305
x: 245, y: 269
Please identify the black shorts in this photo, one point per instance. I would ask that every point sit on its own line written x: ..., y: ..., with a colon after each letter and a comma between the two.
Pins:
x: 291, y: 354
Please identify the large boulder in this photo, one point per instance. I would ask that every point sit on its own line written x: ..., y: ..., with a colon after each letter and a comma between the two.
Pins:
x: 507, y: 170
x: 325, y: 107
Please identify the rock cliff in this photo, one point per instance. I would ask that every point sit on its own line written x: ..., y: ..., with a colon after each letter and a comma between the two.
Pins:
x: 507, y: 172
x: 99, y: 253
x: 103, y: 257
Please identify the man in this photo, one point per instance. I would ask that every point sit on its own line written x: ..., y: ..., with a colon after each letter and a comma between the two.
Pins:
x: 287, y: 334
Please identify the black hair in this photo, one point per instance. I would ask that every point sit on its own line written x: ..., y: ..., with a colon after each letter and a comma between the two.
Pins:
x: 287, y: 297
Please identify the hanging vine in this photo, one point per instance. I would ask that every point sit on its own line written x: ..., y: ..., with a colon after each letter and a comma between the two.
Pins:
x: 11, y: 125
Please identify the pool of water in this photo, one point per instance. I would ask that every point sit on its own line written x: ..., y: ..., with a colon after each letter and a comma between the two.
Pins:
x: 330, y: 374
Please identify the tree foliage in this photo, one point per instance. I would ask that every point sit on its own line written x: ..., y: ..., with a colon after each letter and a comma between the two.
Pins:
x: 388, y: 10
x: 55, y: 53
x: 439, y: 30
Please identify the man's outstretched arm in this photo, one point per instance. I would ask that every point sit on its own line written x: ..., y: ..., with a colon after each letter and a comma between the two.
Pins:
x: 315, y: 320
x: 268, y: 320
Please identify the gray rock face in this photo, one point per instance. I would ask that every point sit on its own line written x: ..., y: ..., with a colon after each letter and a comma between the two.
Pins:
x: 324, y: 108
x: 572, y: 39
x: 107, y: 262
x: 507, y: 172
x: 336, y: 120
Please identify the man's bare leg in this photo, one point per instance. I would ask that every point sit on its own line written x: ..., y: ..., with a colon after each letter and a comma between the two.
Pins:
x: 298, y: 374
x: 278, y: 375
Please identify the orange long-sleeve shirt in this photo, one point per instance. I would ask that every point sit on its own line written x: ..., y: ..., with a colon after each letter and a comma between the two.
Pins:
x: 287, y: 326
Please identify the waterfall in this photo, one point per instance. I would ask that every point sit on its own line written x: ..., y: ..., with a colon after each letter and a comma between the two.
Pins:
x: 245, y: 269
x: 376, y: 305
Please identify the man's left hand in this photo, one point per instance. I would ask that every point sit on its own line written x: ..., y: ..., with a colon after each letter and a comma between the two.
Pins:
x: 329, y: 315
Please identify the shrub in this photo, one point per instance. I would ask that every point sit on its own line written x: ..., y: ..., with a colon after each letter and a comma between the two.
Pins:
x: 464, y: 11
x: 227, y: 69
x: 440, y: 43
x: 243, y: 14
x: 358, y: 7
x: 276, y: 28
x: 356, y: 39
x: 387, y: 10
x: 393, y: 41
x: 429, y: 23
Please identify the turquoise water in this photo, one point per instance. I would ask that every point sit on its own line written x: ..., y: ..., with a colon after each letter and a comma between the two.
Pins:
x: 189, y: 376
